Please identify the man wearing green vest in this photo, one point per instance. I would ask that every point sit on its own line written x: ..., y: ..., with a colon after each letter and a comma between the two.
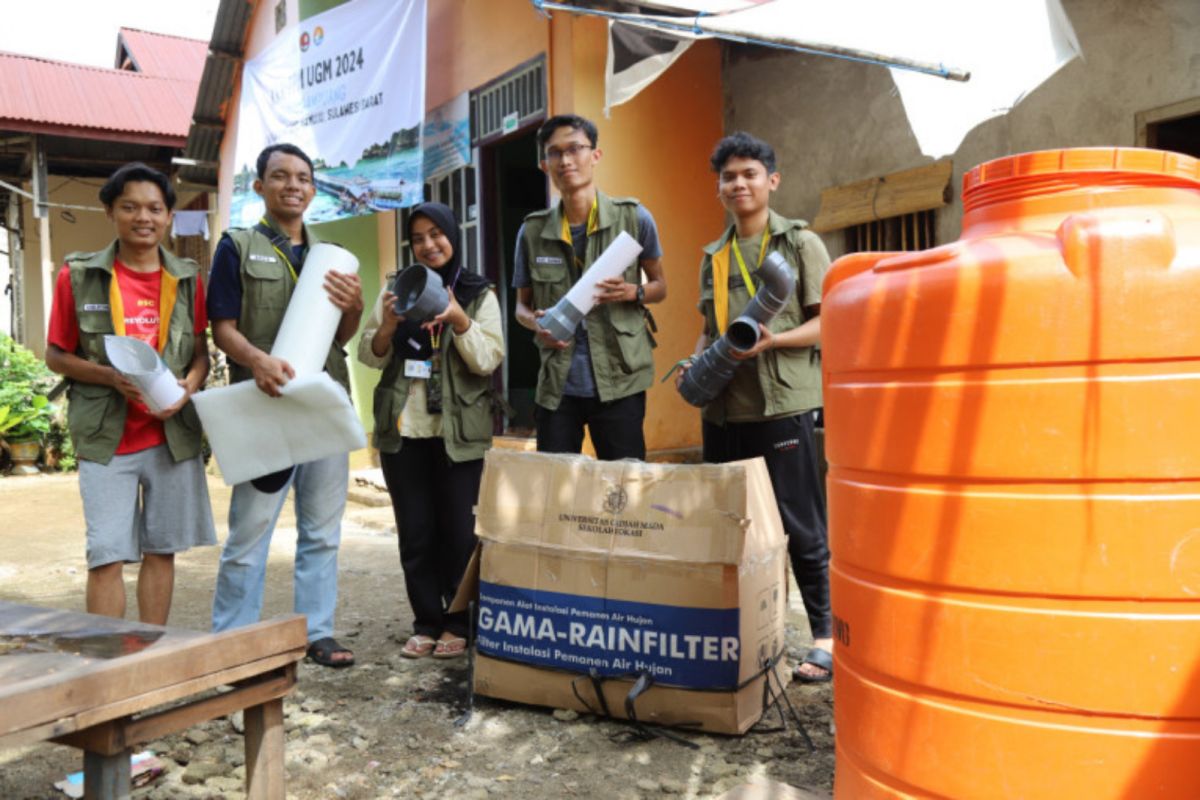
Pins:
x: 766, y: 410
x: 253, y: 275
x: 599, y: 379
x: 140, y: 472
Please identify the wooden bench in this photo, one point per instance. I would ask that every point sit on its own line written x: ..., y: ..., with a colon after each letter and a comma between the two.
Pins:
x: 105, y: 685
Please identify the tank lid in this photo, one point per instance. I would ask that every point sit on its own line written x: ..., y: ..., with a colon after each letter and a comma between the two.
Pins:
x: 1085, y: 159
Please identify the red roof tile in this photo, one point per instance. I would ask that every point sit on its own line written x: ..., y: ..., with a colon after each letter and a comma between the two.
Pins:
x: 71, y: 99
x: 163, y: 55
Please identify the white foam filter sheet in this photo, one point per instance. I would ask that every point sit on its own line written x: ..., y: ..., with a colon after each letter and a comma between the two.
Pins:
x: 144, y: 367
x: 311, y: 319
x: 253, y: 434
x: 615, y: 259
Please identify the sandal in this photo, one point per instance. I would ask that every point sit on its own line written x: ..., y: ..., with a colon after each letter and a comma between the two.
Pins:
x: 818, y: 658
x: 450, y: 648
x: 418, y: 646
x: 322, y: 652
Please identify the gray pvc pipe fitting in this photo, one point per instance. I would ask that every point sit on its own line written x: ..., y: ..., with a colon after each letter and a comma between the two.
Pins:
x: 709, y: 374
x: 420, y: 293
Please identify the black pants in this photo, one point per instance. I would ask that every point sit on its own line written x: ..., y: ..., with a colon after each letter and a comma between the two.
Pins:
x: 615, y: 426
x: 434, y: 500
x: 787, y: 447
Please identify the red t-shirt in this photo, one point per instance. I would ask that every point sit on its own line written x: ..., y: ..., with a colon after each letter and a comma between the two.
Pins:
x: 140, y: 297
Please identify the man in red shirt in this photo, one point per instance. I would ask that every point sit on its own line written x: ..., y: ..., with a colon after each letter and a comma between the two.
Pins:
x: 140, y: 473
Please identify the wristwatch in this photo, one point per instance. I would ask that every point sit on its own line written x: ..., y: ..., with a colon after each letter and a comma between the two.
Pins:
x: 640, y: 295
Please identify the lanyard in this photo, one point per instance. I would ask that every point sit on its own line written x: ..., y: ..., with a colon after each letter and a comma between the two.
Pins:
x: 167, y: 289
x: 762, y: 253
x: 593, y: 218
x: 276, y: 239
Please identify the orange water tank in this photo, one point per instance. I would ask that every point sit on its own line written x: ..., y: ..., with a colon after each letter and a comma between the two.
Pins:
x: 1013, y: 431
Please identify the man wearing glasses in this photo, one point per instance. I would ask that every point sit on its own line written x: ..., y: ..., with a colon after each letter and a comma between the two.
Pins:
x: 599, y: 379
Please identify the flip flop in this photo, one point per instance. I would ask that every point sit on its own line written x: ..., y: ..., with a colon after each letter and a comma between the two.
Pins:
x: 322, y: 651
x: 818, y: 658
x: 450, y: 648
x: 418, y: 646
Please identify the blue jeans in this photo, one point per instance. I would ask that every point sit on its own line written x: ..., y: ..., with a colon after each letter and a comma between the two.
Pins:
x: 320, y: 500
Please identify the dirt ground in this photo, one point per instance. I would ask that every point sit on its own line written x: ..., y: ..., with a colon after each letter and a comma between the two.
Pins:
x: 386, y: 727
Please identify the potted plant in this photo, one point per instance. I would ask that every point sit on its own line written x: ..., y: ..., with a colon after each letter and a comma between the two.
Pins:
x: 26, y: 413
x: 23, y: 428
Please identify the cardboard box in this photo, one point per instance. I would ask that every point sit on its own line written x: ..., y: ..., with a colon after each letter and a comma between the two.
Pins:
x: 623, y: 568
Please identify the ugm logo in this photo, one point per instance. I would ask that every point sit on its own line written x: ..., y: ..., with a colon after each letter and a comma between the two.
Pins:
x: 314, y: 39
x: 615, y: 500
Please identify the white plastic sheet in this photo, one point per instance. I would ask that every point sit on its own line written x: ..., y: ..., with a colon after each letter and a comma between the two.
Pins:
x: 142, y: 365
x: 253, y: 434
x: 311, y: 319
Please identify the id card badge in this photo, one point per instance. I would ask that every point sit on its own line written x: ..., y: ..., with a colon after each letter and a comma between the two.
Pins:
x: 417, y: 369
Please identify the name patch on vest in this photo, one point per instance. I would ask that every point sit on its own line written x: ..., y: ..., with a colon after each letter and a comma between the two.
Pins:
x: 95, y: 307
x: 268, y: 259
x: 548, y: 260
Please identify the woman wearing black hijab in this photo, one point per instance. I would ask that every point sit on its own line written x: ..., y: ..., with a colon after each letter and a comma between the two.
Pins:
x: 433, y: 422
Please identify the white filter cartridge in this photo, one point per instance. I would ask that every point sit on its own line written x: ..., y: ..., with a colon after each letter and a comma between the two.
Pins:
x: 311, y: 319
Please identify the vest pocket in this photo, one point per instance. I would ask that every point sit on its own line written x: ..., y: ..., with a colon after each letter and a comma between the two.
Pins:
x: 632, y: 339
x: 265, y: 290
x: 88, y: 406
x: 383, y: 404
x: 475, y: 412
x: 93, y: 327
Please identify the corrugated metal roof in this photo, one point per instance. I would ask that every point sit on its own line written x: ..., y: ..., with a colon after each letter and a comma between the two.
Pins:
x: 40, y: 94
x: 161, y: 55
x: 216, y: 86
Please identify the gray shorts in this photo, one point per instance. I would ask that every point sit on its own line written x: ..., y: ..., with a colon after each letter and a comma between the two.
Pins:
x: 144, y: 502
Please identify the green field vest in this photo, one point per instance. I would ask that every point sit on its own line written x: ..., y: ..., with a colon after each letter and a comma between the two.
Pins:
x: 95, y: 413
x: 267, y: 287
x: 622, y: 356
x: 790, y: 379
x: 466, y: 401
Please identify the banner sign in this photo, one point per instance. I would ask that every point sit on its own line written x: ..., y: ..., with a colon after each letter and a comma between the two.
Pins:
x: 695, y: 648
x: 447, y: 137
x: 347, y: 86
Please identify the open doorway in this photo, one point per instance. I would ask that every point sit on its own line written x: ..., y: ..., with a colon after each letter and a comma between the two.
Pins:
x: 512, y: 186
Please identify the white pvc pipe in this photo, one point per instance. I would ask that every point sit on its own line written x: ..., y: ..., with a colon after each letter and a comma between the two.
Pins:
x: 562, y: 320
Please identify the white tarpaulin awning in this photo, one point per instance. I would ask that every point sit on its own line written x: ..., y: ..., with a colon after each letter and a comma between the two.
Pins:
x: 993, y: 54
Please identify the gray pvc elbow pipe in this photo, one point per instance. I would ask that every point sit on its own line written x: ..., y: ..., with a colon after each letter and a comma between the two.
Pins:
x: 711, y: 372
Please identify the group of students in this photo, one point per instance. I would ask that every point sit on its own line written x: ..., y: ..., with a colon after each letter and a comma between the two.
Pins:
x: 141, y: 477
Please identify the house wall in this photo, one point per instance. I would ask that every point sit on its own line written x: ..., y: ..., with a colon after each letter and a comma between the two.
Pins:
x: 655, y: 148
x: 835, y: 122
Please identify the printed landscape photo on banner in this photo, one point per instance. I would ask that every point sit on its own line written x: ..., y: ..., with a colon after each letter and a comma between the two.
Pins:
x: 346, y: 86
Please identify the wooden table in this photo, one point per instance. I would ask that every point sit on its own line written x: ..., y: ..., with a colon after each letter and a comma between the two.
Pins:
x: 104, y: 685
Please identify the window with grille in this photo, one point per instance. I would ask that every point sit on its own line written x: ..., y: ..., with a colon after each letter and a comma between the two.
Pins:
x: 897, y: 211
x: 509, y: 102
x: 915, y: 231
x: 457, y: 189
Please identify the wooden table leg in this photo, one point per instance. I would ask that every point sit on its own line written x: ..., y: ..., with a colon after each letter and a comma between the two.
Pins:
x: 264, y: 751
x: 106, y: 777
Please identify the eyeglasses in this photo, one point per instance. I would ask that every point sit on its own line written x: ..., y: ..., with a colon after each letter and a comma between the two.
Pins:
x: 554, y: 155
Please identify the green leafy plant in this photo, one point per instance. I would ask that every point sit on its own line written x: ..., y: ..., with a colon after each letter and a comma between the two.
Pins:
x: 25, y: 423
x: 26, y: 413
